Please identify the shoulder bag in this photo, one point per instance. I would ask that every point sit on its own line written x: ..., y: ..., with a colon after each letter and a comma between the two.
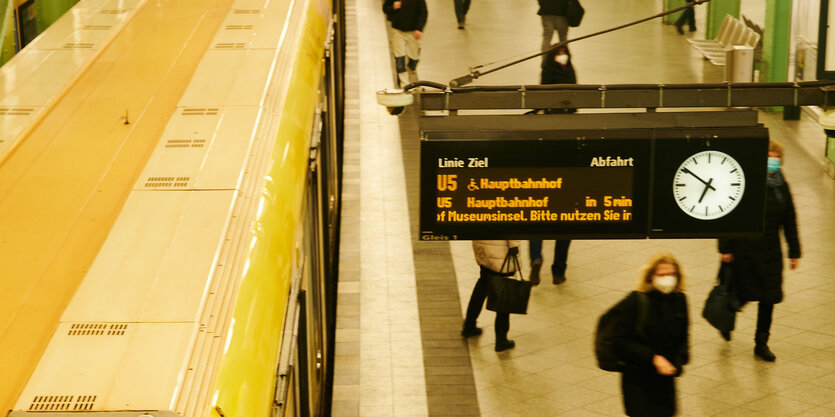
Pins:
x: 722, y: 303
x: 505, y: 294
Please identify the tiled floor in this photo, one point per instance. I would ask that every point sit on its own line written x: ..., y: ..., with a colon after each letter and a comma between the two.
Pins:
x: 391, y: 331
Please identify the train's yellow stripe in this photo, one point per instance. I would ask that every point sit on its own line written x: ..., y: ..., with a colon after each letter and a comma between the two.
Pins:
x: 246, y: 380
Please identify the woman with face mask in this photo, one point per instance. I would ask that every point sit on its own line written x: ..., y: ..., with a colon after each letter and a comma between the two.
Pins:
x: 557, y: 69
x: 652, y: 339
x: 757, y: 263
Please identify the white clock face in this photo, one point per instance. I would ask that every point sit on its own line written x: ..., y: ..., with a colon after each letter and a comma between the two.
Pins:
x: 708, y: 185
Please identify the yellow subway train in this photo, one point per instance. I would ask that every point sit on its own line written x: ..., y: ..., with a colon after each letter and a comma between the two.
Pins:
x: 212, y: 289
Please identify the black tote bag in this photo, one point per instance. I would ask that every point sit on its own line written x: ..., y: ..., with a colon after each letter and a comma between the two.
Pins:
x: 505, y: 294
x: 574, y: 13
x: 722, y: 303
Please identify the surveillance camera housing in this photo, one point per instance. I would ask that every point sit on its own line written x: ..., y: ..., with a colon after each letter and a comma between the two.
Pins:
x: 395, y: 100
x: 395, y: 111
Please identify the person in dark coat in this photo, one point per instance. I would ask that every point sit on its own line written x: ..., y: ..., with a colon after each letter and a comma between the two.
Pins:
x: 552, y: 13
x: 558, y: 69
x: 656, y: 348
x: 757, y: 264
x: 687, y: 16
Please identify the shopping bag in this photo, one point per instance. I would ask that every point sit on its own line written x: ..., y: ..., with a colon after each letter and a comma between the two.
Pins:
x: 574, y: 13
x: 722, y: 303
x: 505, y: 294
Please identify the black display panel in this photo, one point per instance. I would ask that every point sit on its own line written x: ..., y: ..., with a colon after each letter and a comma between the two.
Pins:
x: 593, y: 184
x: 557, y: 187
x: 732, y: 161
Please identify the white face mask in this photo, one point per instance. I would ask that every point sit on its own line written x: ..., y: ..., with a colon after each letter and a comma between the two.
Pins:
x: 562, y: 59
x: 666, y: 284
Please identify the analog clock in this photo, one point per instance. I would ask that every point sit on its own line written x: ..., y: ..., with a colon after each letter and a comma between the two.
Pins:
x: 708, y: 185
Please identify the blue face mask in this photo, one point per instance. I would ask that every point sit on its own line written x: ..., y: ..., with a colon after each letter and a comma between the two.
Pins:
x: 773, y: 165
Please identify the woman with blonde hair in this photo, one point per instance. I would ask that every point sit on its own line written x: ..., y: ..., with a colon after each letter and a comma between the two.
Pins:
x: 652, y: 338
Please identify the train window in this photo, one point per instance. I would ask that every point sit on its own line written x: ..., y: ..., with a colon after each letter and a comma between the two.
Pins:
x: 27, y: 27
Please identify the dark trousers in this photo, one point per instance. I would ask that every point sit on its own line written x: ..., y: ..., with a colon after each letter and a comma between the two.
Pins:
x: 502, y: 324
x: 687, y: 16
x: 764, y: 313
x: 461, y: 8
x: 560, y: 255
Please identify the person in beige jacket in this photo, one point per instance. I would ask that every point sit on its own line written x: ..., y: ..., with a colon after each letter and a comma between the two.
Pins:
x: 490, y: 255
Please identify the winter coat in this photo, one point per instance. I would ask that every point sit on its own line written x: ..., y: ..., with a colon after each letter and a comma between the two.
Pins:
x: 664, y: 332
x: 555, y: 73
x: 491, y: 253
x: 409, y: 17
x: 552, y: 7
x: 758, y: 262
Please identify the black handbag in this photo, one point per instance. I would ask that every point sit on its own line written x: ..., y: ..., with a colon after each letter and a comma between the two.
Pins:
x: 505, y: 294
x: 574, y: 13
x: 722, y: 303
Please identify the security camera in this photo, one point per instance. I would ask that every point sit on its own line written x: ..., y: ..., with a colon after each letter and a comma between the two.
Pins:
x: 395, y: 100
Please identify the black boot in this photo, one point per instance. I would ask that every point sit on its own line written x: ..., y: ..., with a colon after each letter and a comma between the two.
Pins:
x: 761, y: 348
x: 468, y: 331
x: 502, y: 345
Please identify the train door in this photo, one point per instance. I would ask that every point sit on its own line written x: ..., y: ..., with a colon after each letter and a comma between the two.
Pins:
x: 312, y: 325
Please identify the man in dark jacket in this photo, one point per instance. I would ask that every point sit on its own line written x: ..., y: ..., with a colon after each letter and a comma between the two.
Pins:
x: 757, y: 264
x: 407, y: 17
x: 553, y: 17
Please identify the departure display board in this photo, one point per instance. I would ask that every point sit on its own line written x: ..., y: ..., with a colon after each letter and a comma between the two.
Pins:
x: 571, y: 184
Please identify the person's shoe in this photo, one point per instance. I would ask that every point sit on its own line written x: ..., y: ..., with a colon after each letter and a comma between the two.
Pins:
x: 559, y: 279
x: 763, y: 352
x: 460, y: 25
x: 470, y: 331
x: 679, y: 30
x: 536, y: 265
x: 726, y: 335
x: 504, y: 345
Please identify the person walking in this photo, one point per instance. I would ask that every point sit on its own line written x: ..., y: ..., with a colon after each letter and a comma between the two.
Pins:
x: 652, y: 339
x: 408, y: 18
x: 557, y: 68
x: 687, y: 16
x: 461, y: 9
x: 490, y: 255
x: 552, y: 13
x: 557, y: 268
x: 757, y: 264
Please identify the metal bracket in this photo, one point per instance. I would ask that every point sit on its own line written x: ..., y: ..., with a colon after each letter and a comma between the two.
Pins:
x: 602, y: 96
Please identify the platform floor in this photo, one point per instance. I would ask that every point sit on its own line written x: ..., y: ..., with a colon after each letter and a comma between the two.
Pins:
x: 401, y: 301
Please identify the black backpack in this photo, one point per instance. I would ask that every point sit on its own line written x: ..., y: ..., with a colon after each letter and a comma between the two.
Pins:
x: 607, y: 358
x: 574, y: 13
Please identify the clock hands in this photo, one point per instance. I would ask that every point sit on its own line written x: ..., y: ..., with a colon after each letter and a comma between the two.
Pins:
x: 706, y: 183
x: 707, y: 187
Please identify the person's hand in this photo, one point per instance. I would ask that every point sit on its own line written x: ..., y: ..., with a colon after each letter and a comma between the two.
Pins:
x: 397, y: 5
x: 663, y: 366
x: 793, y: 263
x: 418, y: 34
x: 727, y: 257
